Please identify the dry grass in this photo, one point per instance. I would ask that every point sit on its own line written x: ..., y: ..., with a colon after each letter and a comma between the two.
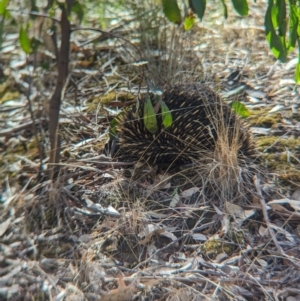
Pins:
x: 229, y: 172
x: 109, y: 232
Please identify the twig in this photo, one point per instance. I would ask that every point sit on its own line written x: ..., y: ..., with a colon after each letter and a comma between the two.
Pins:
x: 35, y: 130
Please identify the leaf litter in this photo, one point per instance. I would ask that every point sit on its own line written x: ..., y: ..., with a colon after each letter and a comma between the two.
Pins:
x: 107, y: 231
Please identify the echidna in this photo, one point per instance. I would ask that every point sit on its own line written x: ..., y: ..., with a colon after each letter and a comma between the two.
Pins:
x: 205, y: 131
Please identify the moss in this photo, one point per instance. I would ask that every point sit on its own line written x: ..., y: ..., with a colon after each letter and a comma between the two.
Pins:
x: 99, y: 101
x: 273, y: 143
x: 237, y: 237
x: 53, y: 249
x: 213, y: 247
x: 280, y: 155
x: 6, y: 93
x: 263, y: 118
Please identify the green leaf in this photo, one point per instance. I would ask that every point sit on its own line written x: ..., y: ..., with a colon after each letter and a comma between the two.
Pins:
x: 198, y: 7
x: 189, y: 22
x: 275, y: 43
x: 113, y: 125
x: 224, y: 8
x: 240, y: 109
x: 150, y: 120
x: 281, y: 17
x: 24, y: 40
x: 282, y: 23
x: 274, y: 13
x: 298, y: 17
x: 172, y: 11
x: 166, y: 115
x: 3, y: 4
x: 241, y: 6
x: 293, y: 24
x: 78, y: 10
x: 297, y: 72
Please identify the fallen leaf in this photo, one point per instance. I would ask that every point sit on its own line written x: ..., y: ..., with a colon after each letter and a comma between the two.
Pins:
x: 189, y: 192
x: 4, y: 226
x: 123, y: 292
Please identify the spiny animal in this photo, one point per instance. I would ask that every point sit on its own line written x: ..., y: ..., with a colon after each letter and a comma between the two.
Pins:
x: 204, y: 128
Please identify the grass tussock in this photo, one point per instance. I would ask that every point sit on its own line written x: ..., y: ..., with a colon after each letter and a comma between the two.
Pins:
x: 228, y: 170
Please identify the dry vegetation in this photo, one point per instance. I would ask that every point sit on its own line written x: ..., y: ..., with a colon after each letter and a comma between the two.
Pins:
x: 106, y: 230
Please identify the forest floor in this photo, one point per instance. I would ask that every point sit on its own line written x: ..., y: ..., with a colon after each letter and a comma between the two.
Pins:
x: 107, y: 231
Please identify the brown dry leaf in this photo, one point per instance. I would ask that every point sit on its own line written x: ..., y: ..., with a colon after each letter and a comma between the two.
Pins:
x: 123, y: 292
x: 296, y: 195
x: 263, y: 231
x: 238, y: 212
x: 150, y: 235
x: 86, y: 63
x: 277, y: 207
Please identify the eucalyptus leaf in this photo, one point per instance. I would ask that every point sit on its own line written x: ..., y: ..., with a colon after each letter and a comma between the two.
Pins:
x: 172, y: 11
x: 274, y: 14
x: 241, y: 6
x: 293, y: 24
x: 240, y: 109
x: 3, y: 4
x: 167, y: 118
x: 113, y: 125
x: 297, y: 72
x: 198, y: 7
x: 275, y: 43
x: 24, y: 40
x: 281, y: 18
x: 189, y: 22
x: 150, y: 120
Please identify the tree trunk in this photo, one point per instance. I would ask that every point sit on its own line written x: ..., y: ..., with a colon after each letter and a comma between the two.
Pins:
x: 54, y: 107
